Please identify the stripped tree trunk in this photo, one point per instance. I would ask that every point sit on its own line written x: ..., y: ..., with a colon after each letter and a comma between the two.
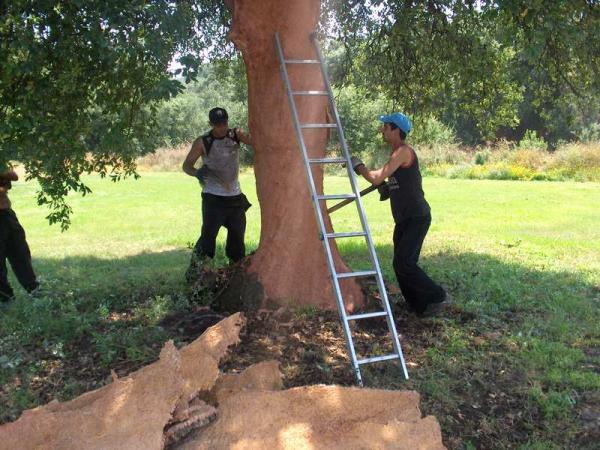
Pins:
x: 290, y: 261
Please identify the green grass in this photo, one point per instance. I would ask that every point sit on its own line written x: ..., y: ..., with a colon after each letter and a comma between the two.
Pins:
x: 522, y: 260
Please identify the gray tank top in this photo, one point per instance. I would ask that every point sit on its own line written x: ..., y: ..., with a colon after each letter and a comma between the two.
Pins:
x: 222, y: 158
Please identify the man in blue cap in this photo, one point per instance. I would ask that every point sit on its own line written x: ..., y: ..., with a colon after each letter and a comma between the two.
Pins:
x: 411, y: 214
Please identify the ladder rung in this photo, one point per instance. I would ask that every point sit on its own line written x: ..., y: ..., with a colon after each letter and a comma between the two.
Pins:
x: 318, y: 125
x: 377, y: 358
x: 310, y: 92
x: 327, y: 160
x: 364, y: 273
x: 367, y: 315
x: 343, y: 235
x: 335, y: 196
x: 302, y: 61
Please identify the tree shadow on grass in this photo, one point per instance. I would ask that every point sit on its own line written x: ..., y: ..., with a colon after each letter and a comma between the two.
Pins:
x: 90, y: 315
x: 509, y: 361
x: 474, y: 366
x: 486, y: 284
x: 99, y: 279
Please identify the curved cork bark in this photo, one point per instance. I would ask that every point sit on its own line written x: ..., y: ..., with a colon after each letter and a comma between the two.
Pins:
x: 290, y: 260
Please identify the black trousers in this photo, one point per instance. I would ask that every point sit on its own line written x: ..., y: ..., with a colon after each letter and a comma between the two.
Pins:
x: 14, y: 248
x: 417, y: 288
x: 228, y: 212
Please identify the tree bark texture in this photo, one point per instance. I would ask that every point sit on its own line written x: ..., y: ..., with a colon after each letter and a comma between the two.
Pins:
x: 290, y: 261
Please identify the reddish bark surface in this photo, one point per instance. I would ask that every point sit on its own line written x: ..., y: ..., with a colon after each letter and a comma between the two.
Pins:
x: 290, y: 261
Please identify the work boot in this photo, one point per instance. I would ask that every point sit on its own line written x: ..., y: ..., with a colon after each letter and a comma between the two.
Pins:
x: 433, y: 309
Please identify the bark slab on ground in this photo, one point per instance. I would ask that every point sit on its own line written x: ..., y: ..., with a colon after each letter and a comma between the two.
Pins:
x: 131, y: 412
x: 320, y: 417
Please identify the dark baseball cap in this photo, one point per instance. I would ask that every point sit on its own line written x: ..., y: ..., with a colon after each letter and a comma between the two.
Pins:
x: 218, y: 115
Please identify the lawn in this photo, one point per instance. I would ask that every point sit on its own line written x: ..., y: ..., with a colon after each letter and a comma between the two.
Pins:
x: 516, y: 363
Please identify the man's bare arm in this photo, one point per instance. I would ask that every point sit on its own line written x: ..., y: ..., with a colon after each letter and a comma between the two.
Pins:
x: 398, y: 158
x: 245, y: 138
x: 194, y: 154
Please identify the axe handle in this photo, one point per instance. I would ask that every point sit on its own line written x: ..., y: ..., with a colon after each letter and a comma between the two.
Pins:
x: 350, y: 200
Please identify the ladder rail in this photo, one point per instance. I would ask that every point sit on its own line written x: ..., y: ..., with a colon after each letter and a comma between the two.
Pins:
x: 317, y: 207
x: 360, y: 208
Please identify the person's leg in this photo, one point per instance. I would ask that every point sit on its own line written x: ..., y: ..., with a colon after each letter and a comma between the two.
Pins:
x: 6, y: 292
x: 235, y: 223
x: 213, y: 217
x: 421, y: 289
x: 19, y: 255
x: 399, y: 255
x: 212, y: 220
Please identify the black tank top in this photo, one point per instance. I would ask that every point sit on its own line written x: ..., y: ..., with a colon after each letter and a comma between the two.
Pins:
x: 407, y: 198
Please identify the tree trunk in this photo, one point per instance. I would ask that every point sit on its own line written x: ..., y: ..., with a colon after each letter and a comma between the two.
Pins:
x: 290, y: 260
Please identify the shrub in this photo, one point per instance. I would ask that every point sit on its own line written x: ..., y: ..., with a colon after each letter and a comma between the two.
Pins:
x: 460, y: 171
x: 578, y: 161
x: 590, y: 133
x: 530, y: 158
x: 481, y: 157
x: 532, y: 140
x: 359, y: 111
x: 428, y: 130
x: 448, y: 154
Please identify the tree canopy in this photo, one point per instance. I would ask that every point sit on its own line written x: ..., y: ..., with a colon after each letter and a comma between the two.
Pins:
x: 473, y: 62
x: 80, y: 81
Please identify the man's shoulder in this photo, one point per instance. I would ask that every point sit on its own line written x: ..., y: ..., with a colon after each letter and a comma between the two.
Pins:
x: 406, y: 151
x: 402, y: 150
x: 404, y: 155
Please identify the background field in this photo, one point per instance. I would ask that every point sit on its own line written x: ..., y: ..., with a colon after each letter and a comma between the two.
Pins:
x: 522, y: 260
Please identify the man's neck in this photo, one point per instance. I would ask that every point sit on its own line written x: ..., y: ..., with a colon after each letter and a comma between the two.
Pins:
x: 397, y: 143
x: 218, y: 135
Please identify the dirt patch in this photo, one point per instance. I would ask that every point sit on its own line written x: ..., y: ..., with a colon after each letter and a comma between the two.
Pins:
x: 227, y: 289
x: 588, y: 404
x: 188, y: 325
x: 311, y: 346
x: 589, y: 414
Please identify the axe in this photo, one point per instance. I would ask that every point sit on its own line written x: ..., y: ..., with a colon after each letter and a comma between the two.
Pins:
x: 350, y: 200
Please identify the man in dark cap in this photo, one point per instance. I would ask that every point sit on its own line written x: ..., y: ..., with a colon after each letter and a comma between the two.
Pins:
x: 223, y: 203
x: 411, y: 214
x: 13, y: 245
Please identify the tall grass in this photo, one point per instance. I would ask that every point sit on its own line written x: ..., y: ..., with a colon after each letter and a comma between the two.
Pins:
x: 501, y: 161
x: 164, y: 159
x: 575, y: 162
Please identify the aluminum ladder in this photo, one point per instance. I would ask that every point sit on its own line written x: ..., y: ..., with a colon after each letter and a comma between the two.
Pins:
x: 355, y: 196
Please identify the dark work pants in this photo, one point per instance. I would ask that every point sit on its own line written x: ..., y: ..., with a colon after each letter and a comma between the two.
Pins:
x: 417, y: 288
x: 13, y: 247
x: 228, y: 212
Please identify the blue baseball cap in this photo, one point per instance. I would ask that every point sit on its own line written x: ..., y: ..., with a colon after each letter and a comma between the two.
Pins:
x: 398, y: 119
